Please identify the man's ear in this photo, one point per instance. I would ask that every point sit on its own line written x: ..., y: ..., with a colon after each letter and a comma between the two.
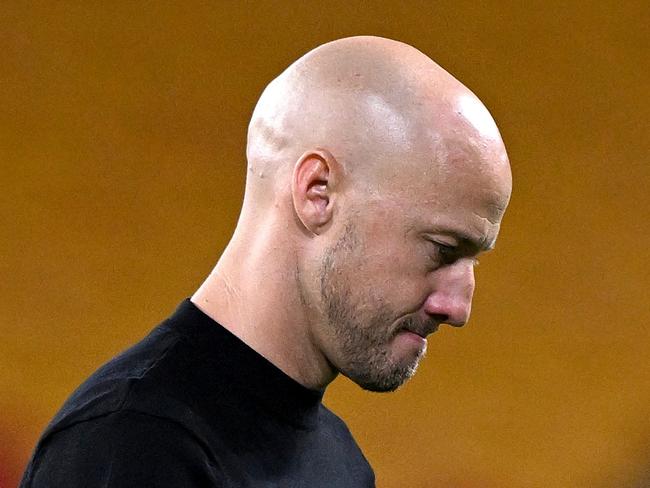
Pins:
x: 312, y: 189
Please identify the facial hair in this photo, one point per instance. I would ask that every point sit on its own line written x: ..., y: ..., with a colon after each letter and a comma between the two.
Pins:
x: 362, y: 340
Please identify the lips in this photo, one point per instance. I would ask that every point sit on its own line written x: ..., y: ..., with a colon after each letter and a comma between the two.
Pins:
x: 426, y: 332
x: 423, y: 330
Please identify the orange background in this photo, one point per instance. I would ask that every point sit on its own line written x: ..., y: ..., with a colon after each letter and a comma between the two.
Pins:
x: 122, y: 132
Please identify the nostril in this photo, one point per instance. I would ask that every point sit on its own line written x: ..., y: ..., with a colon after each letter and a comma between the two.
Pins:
x: 441, y: 318
x: 458, y: 318
x: 454, y: 320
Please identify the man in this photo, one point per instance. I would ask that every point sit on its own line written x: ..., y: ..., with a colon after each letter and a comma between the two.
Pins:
x: 374, y: 181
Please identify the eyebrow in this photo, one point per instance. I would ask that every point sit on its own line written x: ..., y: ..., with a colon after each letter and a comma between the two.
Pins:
x: 468, y: 242
x: 482, y: 245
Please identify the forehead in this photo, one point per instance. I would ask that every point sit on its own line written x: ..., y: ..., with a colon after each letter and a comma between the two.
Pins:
x: 451, y: 169
x: 455, y: 172
x: 471, y: 218
x: 456, y: 190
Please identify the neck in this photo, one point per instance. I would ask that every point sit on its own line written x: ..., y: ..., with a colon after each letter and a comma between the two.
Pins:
x: 256, y: 297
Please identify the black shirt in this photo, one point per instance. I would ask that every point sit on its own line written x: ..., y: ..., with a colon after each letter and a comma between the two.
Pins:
x: 191, y: 405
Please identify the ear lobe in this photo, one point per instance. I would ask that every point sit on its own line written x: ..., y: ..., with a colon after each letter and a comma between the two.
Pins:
x: 312, y: 189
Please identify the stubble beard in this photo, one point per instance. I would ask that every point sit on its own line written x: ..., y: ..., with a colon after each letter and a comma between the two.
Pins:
x: 362, y: 343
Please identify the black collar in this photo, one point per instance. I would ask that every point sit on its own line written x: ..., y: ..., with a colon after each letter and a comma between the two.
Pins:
x: 223, y: 358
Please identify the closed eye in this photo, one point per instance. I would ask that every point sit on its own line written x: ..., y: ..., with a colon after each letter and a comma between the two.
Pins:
x: 444, y: 253
x: 448, y: 254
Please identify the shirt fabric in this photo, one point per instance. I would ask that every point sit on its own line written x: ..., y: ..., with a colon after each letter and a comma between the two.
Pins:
x: 191, y: 405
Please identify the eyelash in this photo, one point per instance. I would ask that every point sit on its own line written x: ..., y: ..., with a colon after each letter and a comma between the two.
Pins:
x: 448, y: 254
x: 443, y: 253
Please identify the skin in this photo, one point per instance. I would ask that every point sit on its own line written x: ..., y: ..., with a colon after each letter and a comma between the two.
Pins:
x: 374, y: 181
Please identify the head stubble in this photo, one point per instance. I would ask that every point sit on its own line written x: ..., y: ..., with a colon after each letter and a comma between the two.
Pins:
x: 362, y: 341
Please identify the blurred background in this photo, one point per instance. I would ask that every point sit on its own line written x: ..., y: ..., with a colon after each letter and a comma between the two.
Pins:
x: 122, y: 135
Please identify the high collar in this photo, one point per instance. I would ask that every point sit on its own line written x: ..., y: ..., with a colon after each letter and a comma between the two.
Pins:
x: 226, y: 358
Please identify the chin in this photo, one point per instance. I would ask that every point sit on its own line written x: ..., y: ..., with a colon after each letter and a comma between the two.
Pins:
x: 384, y: 381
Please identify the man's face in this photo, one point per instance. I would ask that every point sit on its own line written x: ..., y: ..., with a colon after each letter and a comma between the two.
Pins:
x: 363, y: 324
x: 403, y: 265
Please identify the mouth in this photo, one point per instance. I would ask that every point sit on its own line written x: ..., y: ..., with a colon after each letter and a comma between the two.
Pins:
x: 422, y: 331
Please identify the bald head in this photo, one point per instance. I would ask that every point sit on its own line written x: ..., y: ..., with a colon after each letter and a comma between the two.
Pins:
x: 374, y: 180
x: 368, y: 101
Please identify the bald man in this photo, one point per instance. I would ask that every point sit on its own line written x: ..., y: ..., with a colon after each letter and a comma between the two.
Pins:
x: 374, y: 181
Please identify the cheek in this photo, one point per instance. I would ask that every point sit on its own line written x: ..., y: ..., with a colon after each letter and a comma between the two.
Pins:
x: 386, y: 266
x: 396, y: 280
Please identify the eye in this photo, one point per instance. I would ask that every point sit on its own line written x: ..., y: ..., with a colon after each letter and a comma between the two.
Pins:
x: 448, y: 254
x: 443, y: 253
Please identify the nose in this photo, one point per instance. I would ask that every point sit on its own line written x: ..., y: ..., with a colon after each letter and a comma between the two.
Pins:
x: 450, y: 300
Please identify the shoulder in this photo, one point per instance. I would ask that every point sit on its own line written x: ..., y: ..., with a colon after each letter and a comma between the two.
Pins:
x: 121, y: 449
x: 342, y: 443
x: 122, y: 382
x: 335, y: 425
